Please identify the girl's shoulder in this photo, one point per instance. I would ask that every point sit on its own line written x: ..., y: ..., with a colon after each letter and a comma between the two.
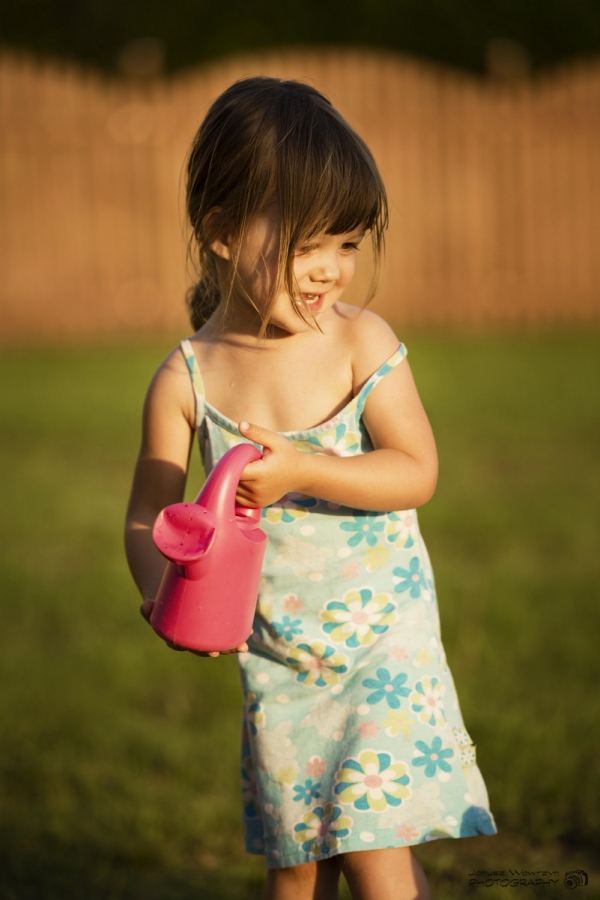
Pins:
x: 171, y: 386
x: 370, y: 340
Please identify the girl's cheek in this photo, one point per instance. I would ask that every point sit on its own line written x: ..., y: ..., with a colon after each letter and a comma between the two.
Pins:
x: 349, y: 271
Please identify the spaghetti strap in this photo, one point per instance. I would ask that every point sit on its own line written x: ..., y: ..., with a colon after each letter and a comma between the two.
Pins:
x: 396, y: 358
x: 196, y: 377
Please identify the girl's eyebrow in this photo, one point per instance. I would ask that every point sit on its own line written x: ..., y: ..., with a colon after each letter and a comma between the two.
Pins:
x: 355, y: 233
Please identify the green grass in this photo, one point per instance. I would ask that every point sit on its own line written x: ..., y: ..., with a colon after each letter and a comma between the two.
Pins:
x: 118, y: 757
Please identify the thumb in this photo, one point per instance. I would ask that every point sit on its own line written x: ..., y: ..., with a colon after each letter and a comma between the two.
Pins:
x: 146, y: 608
x: 260, y: 435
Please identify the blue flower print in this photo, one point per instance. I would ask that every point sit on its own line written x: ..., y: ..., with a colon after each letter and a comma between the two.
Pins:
x: 433, y: 757
x: 386, y: 686
x: 249, y: 789
x: 288, y: 628
x: 307, y: 791
x: 255, y: 713
x: 411, y: 579
x: 318, y: 664
x: 322, y: 829
x: 363, y: 527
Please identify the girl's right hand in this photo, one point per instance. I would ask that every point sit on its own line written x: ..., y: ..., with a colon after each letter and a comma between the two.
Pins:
x: 146, y: 611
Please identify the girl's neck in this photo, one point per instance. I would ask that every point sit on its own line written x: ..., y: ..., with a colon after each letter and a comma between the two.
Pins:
x: 244, y: 327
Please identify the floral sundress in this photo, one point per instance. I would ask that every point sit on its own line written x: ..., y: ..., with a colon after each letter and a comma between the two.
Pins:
x: 352, y: 737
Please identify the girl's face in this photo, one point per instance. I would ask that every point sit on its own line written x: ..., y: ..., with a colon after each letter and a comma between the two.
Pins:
x: 323, y: 269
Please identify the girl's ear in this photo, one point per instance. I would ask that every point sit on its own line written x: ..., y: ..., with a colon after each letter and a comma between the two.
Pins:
x: 220, y: 247
x: 220, y: 244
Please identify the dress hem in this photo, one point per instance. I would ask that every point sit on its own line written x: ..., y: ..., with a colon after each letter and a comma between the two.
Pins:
x: 483, y: 820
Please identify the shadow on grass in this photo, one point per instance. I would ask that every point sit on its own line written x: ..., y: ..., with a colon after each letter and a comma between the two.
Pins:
x: 48, y: 869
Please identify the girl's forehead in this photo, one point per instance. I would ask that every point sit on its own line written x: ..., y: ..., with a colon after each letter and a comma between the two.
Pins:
x: 270, y: 216
x: 357, y: 233
x: 359, y: 230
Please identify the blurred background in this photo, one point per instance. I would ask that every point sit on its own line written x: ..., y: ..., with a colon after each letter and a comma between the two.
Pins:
x: 118, y: 758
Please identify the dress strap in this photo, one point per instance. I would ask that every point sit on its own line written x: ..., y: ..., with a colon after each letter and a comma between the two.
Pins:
x: 197, y: 383
x: 396, y: 358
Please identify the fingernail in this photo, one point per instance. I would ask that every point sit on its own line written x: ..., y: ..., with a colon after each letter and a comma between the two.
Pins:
x: 244, y: 425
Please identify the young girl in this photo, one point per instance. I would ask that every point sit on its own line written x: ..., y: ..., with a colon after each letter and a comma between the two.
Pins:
x: 354, y: 747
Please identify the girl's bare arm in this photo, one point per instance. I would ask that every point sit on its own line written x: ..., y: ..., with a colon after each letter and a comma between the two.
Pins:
x: 160, y: 471
x: 160, y: 475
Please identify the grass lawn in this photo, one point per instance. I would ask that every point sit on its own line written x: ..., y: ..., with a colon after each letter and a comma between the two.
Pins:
x: 119, y: 758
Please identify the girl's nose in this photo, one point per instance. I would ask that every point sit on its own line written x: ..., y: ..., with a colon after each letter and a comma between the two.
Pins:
x: 325, y: 269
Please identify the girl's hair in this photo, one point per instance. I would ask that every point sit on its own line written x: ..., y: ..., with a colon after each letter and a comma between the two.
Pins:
x: 266, y: 141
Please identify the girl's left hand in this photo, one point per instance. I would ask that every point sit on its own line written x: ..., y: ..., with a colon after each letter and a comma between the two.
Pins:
x: 268, y: 479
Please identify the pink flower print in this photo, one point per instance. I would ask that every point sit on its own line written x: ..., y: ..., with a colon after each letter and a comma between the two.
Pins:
x: 350, y: 569
x: 315, y: 767
x: 398, y: 654
x: 368, y: 729
x: 406, y: 833
x: 291, y: 603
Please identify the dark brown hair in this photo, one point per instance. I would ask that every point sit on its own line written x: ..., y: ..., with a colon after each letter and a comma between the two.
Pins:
x: 266, y: 141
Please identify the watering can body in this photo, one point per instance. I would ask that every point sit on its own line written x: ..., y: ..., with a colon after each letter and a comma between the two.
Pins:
x: 207, y: 597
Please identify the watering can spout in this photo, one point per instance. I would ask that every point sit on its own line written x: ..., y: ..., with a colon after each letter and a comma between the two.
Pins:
x: 184, y: 533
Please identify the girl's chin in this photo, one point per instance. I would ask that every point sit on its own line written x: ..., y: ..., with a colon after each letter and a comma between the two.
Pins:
x: 294, y: 322
x: 295, y: 326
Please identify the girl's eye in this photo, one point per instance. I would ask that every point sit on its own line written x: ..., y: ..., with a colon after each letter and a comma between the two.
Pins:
x: 347, y: 247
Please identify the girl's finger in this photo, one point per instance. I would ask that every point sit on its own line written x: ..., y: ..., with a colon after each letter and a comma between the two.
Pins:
x: 260, y: 435
x: 245, y: 499
x: 243, y: 648
x: 146, y: 609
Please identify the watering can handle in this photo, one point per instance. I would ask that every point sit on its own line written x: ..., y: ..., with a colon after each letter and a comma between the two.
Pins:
x: 248, y: 516
x: 218, y: 493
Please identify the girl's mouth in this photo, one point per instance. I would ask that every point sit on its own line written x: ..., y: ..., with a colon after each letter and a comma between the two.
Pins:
x: 313, y: 301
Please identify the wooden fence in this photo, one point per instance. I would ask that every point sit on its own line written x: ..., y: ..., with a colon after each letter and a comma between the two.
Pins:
x: 494, y: 189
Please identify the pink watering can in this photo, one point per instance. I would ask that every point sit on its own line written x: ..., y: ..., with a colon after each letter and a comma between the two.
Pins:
x: 207, y: 597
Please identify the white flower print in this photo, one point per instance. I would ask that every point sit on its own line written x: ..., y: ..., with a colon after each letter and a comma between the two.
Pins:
x: 414, y: 625
x: 277, y: 752
x: 420, y: 809
x: 302, y: 557
x: 401, y: 529
x: 427, y: 701
x: 328, y: 716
